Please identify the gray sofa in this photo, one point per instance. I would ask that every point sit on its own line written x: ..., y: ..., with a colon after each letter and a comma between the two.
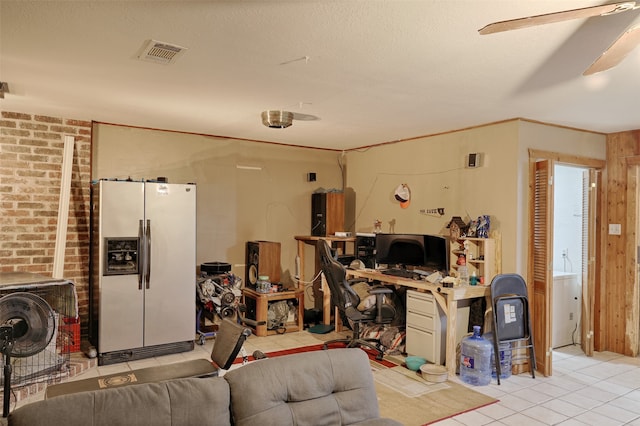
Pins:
x: 332, y: 387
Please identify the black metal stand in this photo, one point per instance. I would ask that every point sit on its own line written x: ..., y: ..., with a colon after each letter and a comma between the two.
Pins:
x: 6, y: 400
x: 6, y: 341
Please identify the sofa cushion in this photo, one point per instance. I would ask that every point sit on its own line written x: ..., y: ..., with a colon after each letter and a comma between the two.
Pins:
x: 367, y: 300
x: 191, y: 401
x: 326, y: 387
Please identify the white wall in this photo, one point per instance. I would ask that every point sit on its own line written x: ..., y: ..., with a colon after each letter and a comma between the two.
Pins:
x: 273, y: 203
x: 567, y: 220
x: 434, y: 169
x: 235, y: 205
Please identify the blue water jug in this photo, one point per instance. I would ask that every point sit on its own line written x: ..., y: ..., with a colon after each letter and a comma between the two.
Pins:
x: 505, y: 357
x: 475, y: 359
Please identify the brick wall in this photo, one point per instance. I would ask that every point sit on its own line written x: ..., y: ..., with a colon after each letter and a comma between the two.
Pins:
x: 31, y: 151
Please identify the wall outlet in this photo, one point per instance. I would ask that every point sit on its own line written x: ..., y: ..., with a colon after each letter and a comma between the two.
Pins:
x: 615, y: 229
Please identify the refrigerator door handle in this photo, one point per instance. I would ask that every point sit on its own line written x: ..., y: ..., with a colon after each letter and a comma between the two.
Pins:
x: 141, y: 254
x: 148, y: 252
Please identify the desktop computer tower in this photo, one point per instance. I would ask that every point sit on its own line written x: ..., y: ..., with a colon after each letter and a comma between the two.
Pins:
x: 366, y: 249
x: 327, y: 213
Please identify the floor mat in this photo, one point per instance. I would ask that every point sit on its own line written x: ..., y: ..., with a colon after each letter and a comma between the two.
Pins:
x: 321, y: 328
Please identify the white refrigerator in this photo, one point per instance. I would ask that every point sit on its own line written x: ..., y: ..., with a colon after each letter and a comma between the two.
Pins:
x: 143, y: 269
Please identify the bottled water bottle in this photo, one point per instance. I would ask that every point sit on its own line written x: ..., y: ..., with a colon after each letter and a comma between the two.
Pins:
x: 464, y: 275
x: 505, y: 357
x: 475, y: 359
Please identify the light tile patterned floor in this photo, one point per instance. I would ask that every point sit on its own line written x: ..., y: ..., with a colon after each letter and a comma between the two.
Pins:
x: 600, y: 390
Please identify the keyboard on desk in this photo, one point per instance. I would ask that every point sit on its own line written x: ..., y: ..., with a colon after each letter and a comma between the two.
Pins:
x: 402, y: 273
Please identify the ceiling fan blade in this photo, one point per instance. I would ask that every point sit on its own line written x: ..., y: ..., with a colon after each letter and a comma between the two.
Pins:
x: 616, y: 52
x: 549, y: 18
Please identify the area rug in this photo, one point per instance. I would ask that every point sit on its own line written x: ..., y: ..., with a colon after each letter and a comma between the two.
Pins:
x: 413, y: 402
x: 405, y: 397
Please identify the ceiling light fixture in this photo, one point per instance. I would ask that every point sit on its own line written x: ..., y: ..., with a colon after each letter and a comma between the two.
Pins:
x: 277, y: 119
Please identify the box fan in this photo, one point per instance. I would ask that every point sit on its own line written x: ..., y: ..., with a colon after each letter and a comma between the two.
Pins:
x: 27, y: 326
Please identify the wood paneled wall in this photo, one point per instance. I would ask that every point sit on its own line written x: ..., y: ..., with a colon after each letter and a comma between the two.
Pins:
x: 616, y: 316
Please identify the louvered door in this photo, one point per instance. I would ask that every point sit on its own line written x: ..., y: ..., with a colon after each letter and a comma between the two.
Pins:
x: 541, y: 253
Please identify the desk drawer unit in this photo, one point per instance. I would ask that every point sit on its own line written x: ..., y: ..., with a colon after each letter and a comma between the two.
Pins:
x: 426, y: 327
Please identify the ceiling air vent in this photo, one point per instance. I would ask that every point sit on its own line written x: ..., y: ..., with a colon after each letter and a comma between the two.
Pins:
x: 160, y: 52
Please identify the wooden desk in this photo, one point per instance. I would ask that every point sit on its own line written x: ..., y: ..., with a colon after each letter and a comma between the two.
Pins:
x: 321, y: 297
x: 446, y: 297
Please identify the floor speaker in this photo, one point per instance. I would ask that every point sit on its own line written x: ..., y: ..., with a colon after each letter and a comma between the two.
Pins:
x: 263, y: 258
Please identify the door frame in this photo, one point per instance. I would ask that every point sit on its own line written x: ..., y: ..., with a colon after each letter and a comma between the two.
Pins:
x: 595, y: 244
x: 633, y: 247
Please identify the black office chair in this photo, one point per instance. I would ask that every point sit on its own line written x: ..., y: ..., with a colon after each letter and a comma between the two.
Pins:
x: 511, y: 319
x: 345, y: 298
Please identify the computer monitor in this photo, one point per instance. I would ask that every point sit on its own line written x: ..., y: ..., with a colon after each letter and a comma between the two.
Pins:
x: 436, y: 253
x: 429, y: 252
x: 400, y: 250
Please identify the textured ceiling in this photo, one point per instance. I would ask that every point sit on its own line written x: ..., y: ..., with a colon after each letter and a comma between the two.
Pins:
x: 354, y: 73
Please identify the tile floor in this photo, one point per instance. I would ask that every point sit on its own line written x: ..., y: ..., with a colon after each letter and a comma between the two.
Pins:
x: 602, y: 390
